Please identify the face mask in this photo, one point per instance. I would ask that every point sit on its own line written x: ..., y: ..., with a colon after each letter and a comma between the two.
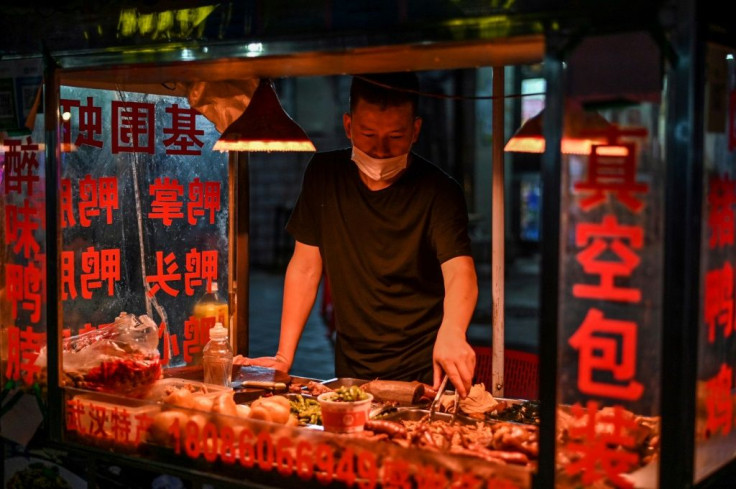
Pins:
x: 378, y: 169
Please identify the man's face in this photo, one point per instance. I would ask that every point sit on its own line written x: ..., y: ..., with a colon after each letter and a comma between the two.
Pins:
x: 382, y: 133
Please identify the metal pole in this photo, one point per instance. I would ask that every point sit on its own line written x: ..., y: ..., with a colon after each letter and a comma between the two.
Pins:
x: 53, y: 306
x: 239, y: 170
x: 498, y: 233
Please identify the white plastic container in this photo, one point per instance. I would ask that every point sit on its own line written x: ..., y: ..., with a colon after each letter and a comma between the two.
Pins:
x: 217, y: 357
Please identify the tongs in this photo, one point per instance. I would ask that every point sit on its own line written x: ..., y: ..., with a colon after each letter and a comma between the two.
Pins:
x: 433, y: 406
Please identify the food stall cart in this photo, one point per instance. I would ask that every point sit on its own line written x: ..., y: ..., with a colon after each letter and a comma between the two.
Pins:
x: 637, y: 234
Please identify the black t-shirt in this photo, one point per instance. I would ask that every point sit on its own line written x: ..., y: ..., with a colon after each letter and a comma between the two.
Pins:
x: 382, y: 252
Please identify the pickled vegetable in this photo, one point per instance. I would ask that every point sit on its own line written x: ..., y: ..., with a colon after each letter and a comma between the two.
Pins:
x: 307, y: 411
x: 349, y: 394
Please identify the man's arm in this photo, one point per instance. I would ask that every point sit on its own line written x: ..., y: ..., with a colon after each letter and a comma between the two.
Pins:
x: 300, y: 291
x: 301, y: 283
x: 452, y: 352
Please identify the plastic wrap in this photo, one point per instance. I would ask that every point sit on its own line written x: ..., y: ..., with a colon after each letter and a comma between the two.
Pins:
x: 121, y: 357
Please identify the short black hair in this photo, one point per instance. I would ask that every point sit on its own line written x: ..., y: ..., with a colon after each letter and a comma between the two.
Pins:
x: 385, y: 89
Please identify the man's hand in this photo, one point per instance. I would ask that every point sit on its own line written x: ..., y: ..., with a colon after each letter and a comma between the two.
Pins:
x: 277, y: 362
x: 453, y: 355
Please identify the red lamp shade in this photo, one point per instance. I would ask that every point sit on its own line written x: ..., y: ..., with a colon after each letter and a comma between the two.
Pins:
x: 581, y: 130
x: 264, y: 126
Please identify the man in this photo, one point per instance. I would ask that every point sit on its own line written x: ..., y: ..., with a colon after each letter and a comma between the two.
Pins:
x: 390, y: 230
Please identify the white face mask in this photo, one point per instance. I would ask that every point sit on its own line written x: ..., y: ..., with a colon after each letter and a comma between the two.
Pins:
x: 378, y: 169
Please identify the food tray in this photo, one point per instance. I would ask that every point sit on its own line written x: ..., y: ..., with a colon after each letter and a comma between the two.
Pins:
x: 343, y: 381
x: 160, y: 388
x: 416, y: 414
x: 517, y: 411
x: 304, y: 380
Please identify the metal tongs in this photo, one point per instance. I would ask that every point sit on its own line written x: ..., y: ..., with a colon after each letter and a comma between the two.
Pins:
x: 433, y: 406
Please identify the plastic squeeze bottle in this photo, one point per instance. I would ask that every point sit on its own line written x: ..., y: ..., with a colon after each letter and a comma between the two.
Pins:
x: 208, y: 310
x: 217, y: 357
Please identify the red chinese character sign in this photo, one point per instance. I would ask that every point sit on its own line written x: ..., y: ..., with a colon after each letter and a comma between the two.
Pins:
x: 23, y: 271
x: 143, y: 213
x: 715, y: 436
x: 610, y: 288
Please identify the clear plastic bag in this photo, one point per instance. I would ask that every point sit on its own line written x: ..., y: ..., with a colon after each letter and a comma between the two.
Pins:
x: 121, y: 357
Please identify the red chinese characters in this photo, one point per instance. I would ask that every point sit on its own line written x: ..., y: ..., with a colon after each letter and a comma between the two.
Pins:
x: 201, y: 268
x: 170, y: 343
x: 719, y: 403
x: 168, y: 200
x: 204, y: 197
x: 21, y: 224
x: 98, y: 268
x: 196, y: 335
x: 108, y: 421
x: 612, y: 170
x: 89, y: 124
x: 67, y: 277
x: 23, y: 285
x: 620, y: 241
x: 66, y: 203
x: 24, y: 346
x: 607, y: 345
x: 21, y: 167
x: 166, y: 268
x: 96, y: 195
x: 25, y: 262
x: 133, y: 127
x: 166, y: 204
x: 596, y: 442
x: 721, y: 199
x: 718, y: 307
x: 183, y: 135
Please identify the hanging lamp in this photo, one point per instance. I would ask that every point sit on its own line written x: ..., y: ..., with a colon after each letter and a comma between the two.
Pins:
x: 581, y: 129
x: 264, y: 126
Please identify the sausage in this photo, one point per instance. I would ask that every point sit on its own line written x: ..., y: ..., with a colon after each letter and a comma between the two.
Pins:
x: 395, y: 391
x: 509, y: 457
x: 429, y: 392
x: 391, y: 428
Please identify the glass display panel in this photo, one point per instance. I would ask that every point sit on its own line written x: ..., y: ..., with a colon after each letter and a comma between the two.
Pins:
x: 216, y: 435
x: 715, y: 436
x: 610, y: 304
x: 22, y: 250
x: 144, y: 223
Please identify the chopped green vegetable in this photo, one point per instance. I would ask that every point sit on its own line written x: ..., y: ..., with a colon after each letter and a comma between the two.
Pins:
x: 308, y: 411
x: 350, y: 394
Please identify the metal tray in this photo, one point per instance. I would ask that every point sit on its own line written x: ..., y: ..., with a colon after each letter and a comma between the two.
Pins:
x: 416, y: 414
